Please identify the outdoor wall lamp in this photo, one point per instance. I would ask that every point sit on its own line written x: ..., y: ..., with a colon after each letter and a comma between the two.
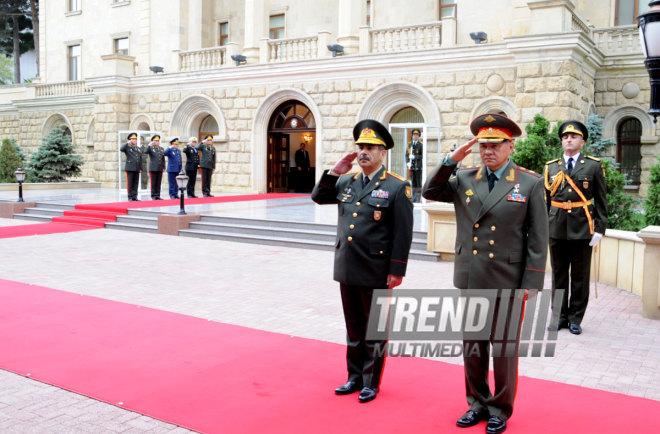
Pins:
x: 239, y: 59
x: 649, y: 32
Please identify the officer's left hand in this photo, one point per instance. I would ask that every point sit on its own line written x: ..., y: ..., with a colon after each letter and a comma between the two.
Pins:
x: 393, y: 281
x: 595, y: 239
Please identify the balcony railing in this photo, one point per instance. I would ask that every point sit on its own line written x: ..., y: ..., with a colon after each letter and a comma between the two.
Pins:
x: 580, y: 26
x: 284, y: 50
x: 419, y: 37
x: 618, y: 40
x: 207, y: 58
x: 67, y: 88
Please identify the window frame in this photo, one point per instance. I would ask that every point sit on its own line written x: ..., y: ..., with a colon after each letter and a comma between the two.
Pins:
x: 283, y: 28
x: 222, y: 37
x: 78, y: 65
x: 620, y: 146
x: 453, y: 5
x: 636, y: 12
x: 69, y: 6
x: 115, y: 49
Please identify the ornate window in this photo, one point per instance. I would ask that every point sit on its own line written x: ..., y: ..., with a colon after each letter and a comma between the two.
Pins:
x: 292, y: 115
x: 628, y: 150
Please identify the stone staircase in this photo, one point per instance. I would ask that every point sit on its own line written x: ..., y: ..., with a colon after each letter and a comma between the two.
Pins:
x: 43, y: 212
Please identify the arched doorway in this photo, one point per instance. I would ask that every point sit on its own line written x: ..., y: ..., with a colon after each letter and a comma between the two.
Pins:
x: 291, y: 125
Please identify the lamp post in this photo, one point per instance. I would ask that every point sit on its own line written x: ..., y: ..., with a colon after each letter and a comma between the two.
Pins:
x: 20, y: 177
x: 182, y: 182
x: 649, y: 32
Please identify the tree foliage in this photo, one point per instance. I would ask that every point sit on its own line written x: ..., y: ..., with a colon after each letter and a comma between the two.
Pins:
x: 55, y: 159
x: 6, y: 70
x: 16, y: 34
x: 539, y: 146
x: 652, y: 204
x: 10, y: 160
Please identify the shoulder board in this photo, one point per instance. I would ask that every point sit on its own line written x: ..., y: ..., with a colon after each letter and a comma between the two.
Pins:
x: 592, y: 158
x: 531, y: 172
x: 352, y: 173
x: 397, y: 176
x: 552, y: 161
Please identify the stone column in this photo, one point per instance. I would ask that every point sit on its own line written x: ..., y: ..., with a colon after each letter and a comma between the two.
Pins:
x: 350, y: 14
x: 448, y: 30
x: 195, y: 24
x: 651, y: 274
x: 256, y: 27
x: 323, y: 41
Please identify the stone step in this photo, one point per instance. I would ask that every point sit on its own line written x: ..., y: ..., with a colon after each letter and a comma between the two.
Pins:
x: 138, y: 219
x: 44, y: 212
x: 151, y: 229
x: 37, y: 218
x: 54, y: 206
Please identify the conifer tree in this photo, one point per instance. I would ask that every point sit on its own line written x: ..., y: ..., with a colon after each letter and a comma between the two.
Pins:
x: 652, y: 204
x: 539, y: 146
x: 55, y: 160
x: 10, y: 160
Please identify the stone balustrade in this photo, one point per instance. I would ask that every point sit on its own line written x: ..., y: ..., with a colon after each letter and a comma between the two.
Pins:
x: 293, y: 49
x: 617, y: 40
x: 578, y: 25
x: 423, y: 36
x: 207, y: 58
x: 67, y: 88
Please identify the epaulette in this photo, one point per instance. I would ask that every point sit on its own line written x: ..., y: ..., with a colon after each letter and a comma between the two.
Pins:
x: 552, y: 161
x: 593, y: 158
x: 396, y: 175
x: 531, y: 172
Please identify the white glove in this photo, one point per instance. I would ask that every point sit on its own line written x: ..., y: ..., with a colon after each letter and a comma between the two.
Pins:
x: 595, y: 239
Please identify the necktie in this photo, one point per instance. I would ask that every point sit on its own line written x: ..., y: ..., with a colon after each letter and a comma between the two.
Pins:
x: 569, y: 167
x: 366, y: 181
x: 491, y: 181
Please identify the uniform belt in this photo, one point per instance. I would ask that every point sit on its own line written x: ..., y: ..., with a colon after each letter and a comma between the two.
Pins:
x: 569, y: 204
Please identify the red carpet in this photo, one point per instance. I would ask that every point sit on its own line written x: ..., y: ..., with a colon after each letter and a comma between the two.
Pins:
x: 215, y: 377
x: 40, y: 229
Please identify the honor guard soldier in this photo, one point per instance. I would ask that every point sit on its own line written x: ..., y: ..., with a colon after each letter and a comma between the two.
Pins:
x: 577, y: 207
x: 156, y: 165
x: 133, y: 165
x: 374, y: 234
x: 415, y: 161
x: 501, y: 243
x: 144, y: 176
x: 174, y: 166
x: 207, y: 163
x: 192, y: 164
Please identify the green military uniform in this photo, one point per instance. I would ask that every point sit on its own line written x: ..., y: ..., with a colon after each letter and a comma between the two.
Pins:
x: 133, y: 166
x: 156, y: 167
x: 144, y: 179
x: 207, y: 163
x: 415, y: 157
x: 577, y: 208
x: 374, y: 234
x: 501, y: 243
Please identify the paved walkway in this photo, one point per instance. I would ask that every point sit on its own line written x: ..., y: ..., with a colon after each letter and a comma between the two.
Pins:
x: 286, y: 290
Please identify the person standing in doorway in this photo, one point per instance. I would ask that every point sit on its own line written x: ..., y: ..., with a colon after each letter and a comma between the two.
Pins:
x: 207, y: 163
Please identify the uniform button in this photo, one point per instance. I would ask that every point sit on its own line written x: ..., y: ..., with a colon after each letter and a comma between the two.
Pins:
x: 357, y: 203
x: 475, y: 239
x: 492, y: 228
x: 381, y: 252
x: 570, y: 190
x: 474, y: 252
x: 377, y: 184
x: 491, y: 242
x: 476, y: 225
x: 354, y: 214
x: 491, y: 256
x: 351, y: 227
x: 350, y: 239
x: 377, y: 205
x: 569, y: 211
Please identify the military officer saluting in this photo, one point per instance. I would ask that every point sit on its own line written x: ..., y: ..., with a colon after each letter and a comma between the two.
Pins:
x: 192, y: 164
x: 577, y: 207
x: 501, y: 244
x: 156, y: 165
x: 174, y: 164
x: 133, y: 165
x: 207, y: 163
x: 374, y: 234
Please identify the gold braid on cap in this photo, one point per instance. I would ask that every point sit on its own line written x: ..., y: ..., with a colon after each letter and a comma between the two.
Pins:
x: 559, y: 178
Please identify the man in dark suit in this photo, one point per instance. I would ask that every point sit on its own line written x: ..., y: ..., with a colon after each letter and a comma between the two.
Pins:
x: 415, y: 161
x: 207, y: 163
x: 302, y: 168
x: 174, y: 164
x: 501, y: 242
x: 133, y: 166
x: 577, y: 206
x: 156, y: 165
x: 374, y: 234
x: 192, y: 164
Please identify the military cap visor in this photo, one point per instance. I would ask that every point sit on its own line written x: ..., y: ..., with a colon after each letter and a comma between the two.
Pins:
x: 155, y: 137
x: 369, y: 131
x: 132, y: 136
x: 416, y: 132
x: 574, y: 127
x: 174, y: 141
x: 192, y: 139
x: 493, y: 128
x: 208, y: 136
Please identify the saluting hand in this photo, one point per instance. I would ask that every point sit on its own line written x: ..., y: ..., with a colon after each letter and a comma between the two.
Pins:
x: 344, y: 165
x: 463, y: 151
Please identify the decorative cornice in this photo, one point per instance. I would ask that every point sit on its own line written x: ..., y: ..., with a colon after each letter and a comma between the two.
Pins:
x: 56, y: 103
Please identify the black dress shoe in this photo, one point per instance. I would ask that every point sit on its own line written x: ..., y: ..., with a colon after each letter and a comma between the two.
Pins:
x: 348, y: 388
x: 192, y: 196
x: 367, y: 394
x: 575, y: 328
x: 471, y: 418
x: 560, y: 325
x: 495, y: 425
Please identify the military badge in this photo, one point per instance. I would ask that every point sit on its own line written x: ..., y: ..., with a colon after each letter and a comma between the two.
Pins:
x: 469, y: 192
x: 408, y: 193
x: 381, y: 194
x: 377, y: 215
x: 516, y: 197
x: 516, y: 188
x: 585, y: 184
x: 467, y: 200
